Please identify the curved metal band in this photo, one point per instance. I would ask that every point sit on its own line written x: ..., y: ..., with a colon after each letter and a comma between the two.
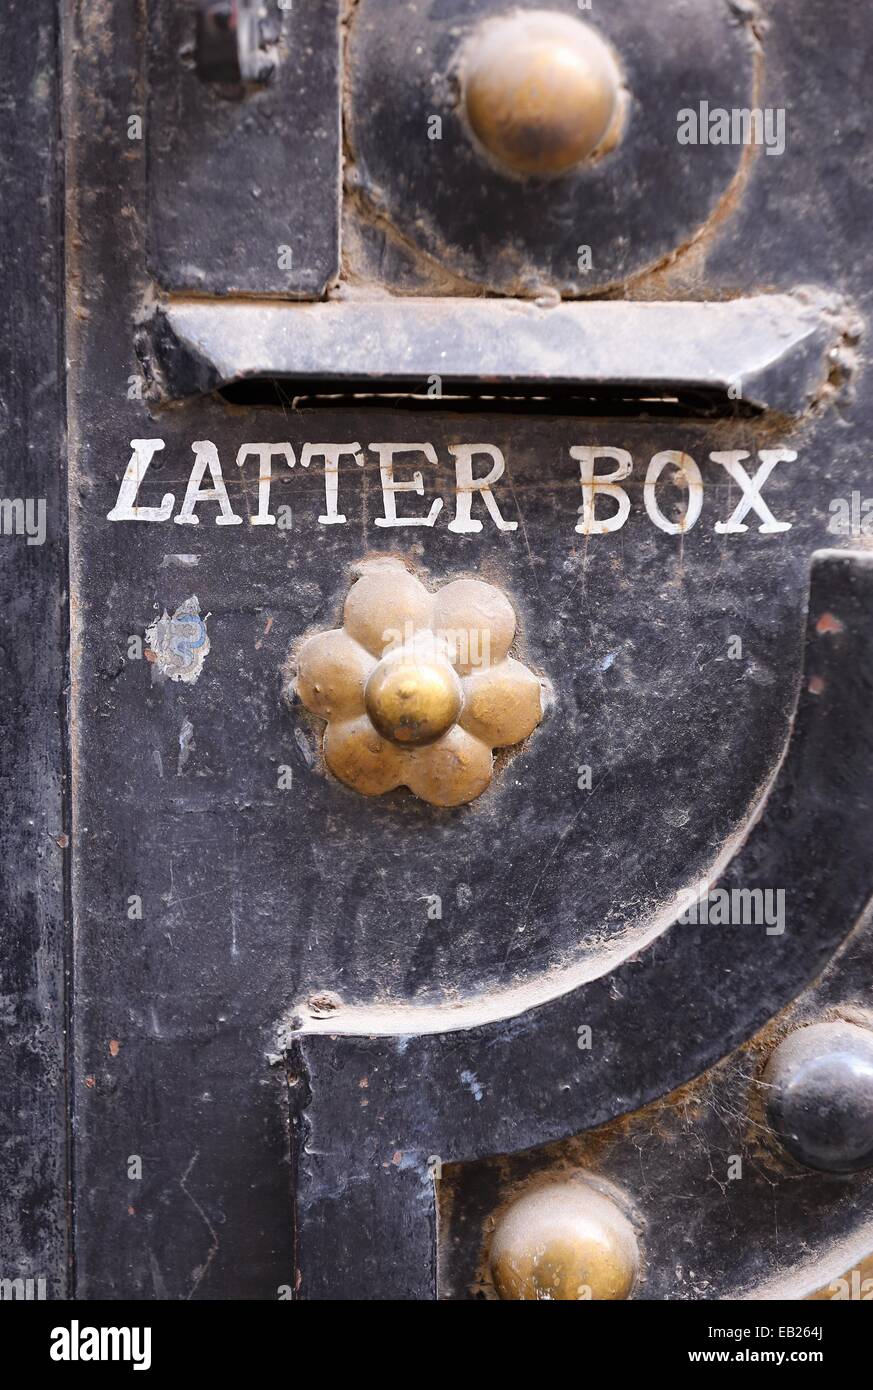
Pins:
x: 666, y: 1019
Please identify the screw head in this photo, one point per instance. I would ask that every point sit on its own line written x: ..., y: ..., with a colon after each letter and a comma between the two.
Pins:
x: 819, y: 1100
x: 541, y: 91
x: 564, y: 1242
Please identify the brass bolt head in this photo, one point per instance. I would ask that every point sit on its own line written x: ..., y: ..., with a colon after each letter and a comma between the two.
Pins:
x: 541, y: 91
x: 413, y: 699
x: 564, y: 1242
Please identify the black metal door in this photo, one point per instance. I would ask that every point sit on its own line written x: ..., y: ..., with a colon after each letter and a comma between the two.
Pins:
x: 459, y: 781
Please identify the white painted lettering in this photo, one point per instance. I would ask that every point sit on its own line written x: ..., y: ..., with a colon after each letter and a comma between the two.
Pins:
x: 264, y: 454
x: 206, y: 456
x: 331, y: 453
x: 693, y: 480
x: 751, y: 489
x: 467, y: 485
x: 125, y: 508
x: 606, y: 483
x: 386, y: 454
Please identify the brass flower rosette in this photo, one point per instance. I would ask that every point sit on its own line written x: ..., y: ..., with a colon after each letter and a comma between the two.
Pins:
x: 418, y: 688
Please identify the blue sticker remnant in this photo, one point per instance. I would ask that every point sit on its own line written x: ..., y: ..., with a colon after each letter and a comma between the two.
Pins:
x: 179, y: 644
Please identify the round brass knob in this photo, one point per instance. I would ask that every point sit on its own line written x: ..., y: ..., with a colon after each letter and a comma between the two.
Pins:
x: 564, y: 1242
x: 412, y: 699
x: 541, y: 91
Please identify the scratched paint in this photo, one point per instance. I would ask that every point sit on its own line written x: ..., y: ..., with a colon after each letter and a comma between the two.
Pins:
x: 179, y: 644
x: 186, y: 745
x: 470, y: 1080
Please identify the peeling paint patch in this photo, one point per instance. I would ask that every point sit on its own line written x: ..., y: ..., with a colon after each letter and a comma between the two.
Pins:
x: 179, y: 644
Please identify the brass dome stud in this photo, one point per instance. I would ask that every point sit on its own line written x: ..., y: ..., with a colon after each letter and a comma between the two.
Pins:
x: 541, y: 91
x: 564, y: 1242
x: 412, y: 700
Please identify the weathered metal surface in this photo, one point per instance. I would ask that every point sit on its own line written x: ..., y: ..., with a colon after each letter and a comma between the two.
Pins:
x: 668, y: 1010
x: 271, y: 895
x: 640, y: 204
x: 265, y: 909
x: 243, y: 182
x: 33, y: 641
x: 769, y: 351
x: 720, y: 1210
x: 610, y: 620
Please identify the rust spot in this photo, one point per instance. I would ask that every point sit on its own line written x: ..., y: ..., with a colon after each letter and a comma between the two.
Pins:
x: 131, y: 1211
x: 62, y: 841
x: 114, y: 1046
x: 90, y: 1082
x: 828, y: 623
x: 816, y: 685
x: 397, y: 1157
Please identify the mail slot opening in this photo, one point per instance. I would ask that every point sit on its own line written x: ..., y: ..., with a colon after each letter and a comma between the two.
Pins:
x: 638, y: 400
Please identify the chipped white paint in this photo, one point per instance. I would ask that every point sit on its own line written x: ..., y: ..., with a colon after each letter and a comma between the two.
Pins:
x: 185, y: 562
x: 179, y: 644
